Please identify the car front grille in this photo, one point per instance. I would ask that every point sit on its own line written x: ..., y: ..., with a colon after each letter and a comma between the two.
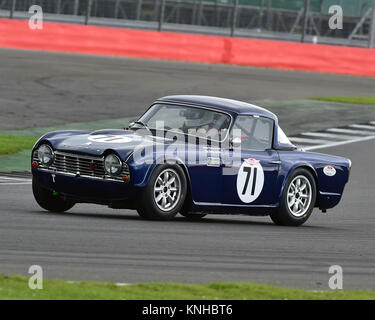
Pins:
x: 79, y: 165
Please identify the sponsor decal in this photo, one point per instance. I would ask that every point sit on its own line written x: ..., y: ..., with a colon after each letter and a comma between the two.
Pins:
x: 250, y: 180
x: 213, y: 162
x: 251, y: 161
x: 329, y: 171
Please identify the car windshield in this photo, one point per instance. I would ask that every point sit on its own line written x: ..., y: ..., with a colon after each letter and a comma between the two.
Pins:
x: 189, y: 120
x: 282, y: 138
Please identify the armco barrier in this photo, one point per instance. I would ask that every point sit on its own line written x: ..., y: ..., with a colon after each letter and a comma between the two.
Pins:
x: 187, y: 47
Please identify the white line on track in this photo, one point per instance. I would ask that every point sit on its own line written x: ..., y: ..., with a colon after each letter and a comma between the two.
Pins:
x: 14, y: 184
x: 362, y: 126
x: 350, y: 131
x: 305, y: 140
x: 6, y: 181
x: 14, y: 179
x: 328, y: 135
x: 335, y: 144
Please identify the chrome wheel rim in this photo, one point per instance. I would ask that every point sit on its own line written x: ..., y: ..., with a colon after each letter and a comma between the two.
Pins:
x: 299, y: 196
x: 167, y: 190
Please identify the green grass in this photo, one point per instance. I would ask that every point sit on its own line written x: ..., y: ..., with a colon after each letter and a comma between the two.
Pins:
x: 16, y: 287
x: 354, y: 100
x: 14, y: 144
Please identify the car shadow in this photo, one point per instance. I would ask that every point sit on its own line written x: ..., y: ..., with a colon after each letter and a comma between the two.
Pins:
x: 209, y: 219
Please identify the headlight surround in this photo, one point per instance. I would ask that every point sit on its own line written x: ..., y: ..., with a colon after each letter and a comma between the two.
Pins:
x: 45, y: 154
x: 112, y: 165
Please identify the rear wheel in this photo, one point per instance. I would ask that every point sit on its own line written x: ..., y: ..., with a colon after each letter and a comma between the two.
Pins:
x: 48, y: 201
x: 165, y: 193
x: 298, y: 199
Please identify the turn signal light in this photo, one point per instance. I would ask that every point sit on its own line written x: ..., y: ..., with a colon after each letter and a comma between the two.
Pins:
x: 34, y: 164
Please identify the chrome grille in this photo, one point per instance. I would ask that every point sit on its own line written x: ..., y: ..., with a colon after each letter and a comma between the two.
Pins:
x: 78, y: 164
x: 81, y: 165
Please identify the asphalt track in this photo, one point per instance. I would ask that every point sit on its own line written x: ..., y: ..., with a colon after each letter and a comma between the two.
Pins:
x: 95, y: 243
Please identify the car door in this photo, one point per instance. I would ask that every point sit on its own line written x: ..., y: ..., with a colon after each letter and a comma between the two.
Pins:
x: 205, y: 174
x: 250, y: 177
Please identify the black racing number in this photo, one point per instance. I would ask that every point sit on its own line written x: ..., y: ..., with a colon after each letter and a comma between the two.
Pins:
x: 248, y: 171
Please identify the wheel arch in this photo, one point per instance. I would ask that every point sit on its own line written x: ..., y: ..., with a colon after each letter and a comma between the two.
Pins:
x: 172, y: 161
x: 181, y: 164
x: 310, y: 169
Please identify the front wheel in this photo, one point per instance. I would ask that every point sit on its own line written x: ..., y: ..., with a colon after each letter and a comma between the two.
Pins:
x: 298, y: 199
x: 48, y: 201
x: 164, y: 194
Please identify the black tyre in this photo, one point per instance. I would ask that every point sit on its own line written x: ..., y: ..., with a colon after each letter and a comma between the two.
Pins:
x: 48, y: 201
x: 165, y: 193
x: 298, y: 199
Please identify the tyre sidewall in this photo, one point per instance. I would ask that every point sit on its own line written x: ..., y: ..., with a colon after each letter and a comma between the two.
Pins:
x: 284, y: 215
x: 148, y: 207
x: 48, y: 201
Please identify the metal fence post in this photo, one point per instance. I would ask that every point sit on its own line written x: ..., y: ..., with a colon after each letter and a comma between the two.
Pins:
x: 161, y: 17
x: 372, y: 28
x: 12, y: 8
x: 200, y: 12
x: 269, y: 15
x: 194, y: 13
x: 75, y: 7
x: 234, y: 18
x: 117, y: 4
x: 58, y: 6
x: 305, y: 18
x: 139, y: 10
x: 88, y: 11
x: 261, y: 13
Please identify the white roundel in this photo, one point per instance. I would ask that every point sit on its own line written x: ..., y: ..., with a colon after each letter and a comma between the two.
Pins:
x: 109, y: 138
x: 329, y: 171
x: 250, y: 180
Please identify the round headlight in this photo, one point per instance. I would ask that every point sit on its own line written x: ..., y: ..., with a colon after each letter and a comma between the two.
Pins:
x: 112, y: 165
x: 45, y: 154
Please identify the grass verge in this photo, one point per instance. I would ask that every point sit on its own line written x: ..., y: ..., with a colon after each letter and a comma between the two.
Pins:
x: 353, y: 100
x: 16, y: 287
x: 13, y: 144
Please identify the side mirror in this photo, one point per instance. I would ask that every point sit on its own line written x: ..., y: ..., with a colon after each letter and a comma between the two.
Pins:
x: 131, y: 124
x: 236, y: 142
x: 286, y: 147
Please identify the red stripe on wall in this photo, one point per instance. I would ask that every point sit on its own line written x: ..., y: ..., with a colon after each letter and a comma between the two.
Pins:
x: 187, y: 47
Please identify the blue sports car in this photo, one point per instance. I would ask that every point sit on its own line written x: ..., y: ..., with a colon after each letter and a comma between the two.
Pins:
x: 192, y: 155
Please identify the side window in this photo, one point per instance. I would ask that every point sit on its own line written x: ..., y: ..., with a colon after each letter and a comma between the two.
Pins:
x: 263, y: 132
x: 256, y: 133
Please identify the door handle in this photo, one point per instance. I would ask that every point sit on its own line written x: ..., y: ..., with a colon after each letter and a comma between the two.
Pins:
x: 274, y: 162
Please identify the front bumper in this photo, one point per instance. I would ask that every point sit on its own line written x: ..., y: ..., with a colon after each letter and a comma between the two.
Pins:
x: 82, y: 189
x: 328, y: 200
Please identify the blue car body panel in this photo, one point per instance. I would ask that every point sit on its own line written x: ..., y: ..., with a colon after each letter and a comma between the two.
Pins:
x: 210, y: 189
